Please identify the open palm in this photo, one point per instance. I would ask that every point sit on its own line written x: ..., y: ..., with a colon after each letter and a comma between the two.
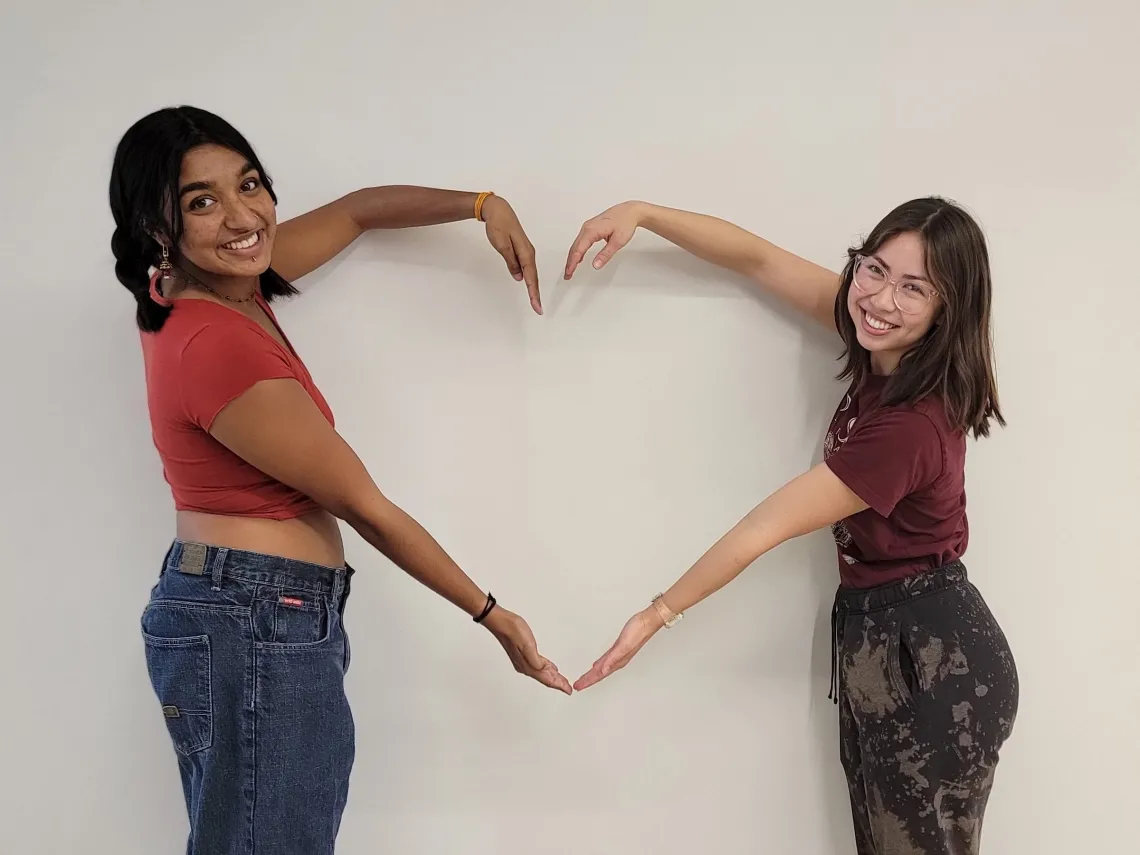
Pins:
x: 517, y: 640
x: 637, y: 630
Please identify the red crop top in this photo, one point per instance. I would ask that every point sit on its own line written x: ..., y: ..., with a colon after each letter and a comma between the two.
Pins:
x: 204, y: 357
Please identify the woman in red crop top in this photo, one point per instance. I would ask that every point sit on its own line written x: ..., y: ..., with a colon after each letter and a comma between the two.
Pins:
x: 244, y: 635
x: 927, y: 685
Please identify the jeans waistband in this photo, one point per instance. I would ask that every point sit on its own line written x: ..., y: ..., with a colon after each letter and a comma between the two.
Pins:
x: 219, y: 562
x: 862, y: 601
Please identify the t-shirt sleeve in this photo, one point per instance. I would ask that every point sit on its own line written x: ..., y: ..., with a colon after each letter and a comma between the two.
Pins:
x: 893, y: 453
x: 220, y: 363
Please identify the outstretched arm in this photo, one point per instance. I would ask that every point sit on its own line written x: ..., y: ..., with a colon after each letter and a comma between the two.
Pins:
x: 801, y: 283
x: 275, y: 426
x: 812, y: 501
x: 308, y: 241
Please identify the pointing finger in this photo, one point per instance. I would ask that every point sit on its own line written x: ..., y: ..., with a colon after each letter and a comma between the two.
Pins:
x: 587, y: 237
x: 524, y: 253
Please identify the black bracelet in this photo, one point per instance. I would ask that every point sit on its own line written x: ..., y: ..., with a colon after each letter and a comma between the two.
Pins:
x: 487, y: 608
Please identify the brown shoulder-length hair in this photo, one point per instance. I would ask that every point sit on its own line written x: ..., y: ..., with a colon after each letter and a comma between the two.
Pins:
x: 955, y: 359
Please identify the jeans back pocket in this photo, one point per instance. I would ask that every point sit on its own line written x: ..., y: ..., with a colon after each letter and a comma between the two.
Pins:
x: 180, y: 674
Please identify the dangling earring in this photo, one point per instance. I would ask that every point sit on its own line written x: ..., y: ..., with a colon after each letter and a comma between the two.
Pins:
x: 165, y: 268
x: 165, y: 272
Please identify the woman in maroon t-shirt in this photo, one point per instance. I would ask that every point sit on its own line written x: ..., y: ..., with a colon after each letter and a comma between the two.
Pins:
x: 925, y: 680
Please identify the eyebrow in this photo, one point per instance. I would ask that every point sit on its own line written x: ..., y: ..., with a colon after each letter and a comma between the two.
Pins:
x: 887, y: 267
x: 195, y: 186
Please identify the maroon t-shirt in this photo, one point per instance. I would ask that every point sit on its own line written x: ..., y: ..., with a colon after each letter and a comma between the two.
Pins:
x: 908, y: 464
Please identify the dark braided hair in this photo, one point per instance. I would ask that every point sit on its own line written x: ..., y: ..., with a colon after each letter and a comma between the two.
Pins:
x: 144, y: 194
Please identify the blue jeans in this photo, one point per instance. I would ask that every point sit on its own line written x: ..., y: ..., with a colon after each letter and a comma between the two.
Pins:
x: 247, y: 655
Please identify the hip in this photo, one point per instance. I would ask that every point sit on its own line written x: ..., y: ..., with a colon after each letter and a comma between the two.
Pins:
x: 236, y: 603
x: 923, y: 637
x: 247, y: 654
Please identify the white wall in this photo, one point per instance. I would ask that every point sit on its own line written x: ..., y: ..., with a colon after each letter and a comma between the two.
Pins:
x: 577, y: 463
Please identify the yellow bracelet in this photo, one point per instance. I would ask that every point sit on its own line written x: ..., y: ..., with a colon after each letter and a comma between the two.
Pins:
x: 479, y: 204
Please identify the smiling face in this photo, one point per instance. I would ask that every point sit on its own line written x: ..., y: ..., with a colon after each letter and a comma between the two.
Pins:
x: 898, y: 270
x: 228, y: 216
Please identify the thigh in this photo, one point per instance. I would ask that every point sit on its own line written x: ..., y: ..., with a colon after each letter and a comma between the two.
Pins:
x: 305, y: 742
x: 851, y: 756
x: 924, y: 795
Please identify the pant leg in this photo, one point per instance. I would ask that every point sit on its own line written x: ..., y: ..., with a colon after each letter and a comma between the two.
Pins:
x: 934, y: 692
x: 199, y: 662
x: 851, y: 756
x: 305, y: 745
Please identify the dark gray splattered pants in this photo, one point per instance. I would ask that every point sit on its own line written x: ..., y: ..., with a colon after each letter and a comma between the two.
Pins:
x: 928, y: 693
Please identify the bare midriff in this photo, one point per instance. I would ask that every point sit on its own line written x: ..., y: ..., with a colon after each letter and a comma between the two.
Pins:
x: 314, y: 538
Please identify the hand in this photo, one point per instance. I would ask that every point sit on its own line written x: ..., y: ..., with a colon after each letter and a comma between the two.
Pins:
x: 512, y: 632
x: 637, y: 630
x: 506, y: 235
x: 615, y: 226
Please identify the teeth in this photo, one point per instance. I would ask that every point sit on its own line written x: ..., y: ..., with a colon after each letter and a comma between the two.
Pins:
x: 875, y: 323
x: 244, y: 244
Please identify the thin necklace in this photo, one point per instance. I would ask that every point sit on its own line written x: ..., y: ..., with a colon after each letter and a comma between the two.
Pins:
x: 191, y: 278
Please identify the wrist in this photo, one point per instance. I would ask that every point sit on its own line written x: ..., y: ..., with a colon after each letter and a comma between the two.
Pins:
x: 478, y: 604
x: 644, y: 213
x: 495, y: 621
x: 664, y: 616
x: 490, y: 205
x: 652, y: 618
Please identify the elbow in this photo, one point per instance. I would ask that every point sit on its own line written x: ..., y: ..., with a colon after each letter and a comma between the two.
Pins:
x: 358, y: 205
x: 368, y: 512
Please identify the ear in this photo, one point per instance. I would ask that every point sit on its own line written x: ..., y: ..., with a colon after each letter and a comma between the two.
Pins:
x: 939, y: 314
x: 147, y: 227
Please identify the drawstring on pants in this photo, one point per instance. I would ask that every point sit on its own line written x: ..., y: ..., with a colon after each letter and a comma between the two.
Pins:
x: 838, y: 619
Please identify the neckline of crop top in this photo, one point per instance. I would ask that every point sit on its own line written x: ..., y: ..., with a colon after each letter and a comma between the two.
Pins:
x: 263, y: 304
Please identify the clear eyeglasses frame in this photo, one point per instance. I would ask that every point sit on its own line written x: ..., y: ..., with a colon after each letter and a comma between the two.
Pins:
x: 911, y: 296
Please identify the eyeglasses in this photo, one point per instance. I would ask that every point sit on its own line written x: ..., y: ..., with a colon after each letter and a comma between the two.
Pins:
x: 911, y: 296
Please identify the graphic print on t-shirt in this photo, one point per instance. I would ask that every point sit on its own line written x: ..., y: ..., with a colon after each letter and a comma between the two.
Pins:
x: 836, y: 436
